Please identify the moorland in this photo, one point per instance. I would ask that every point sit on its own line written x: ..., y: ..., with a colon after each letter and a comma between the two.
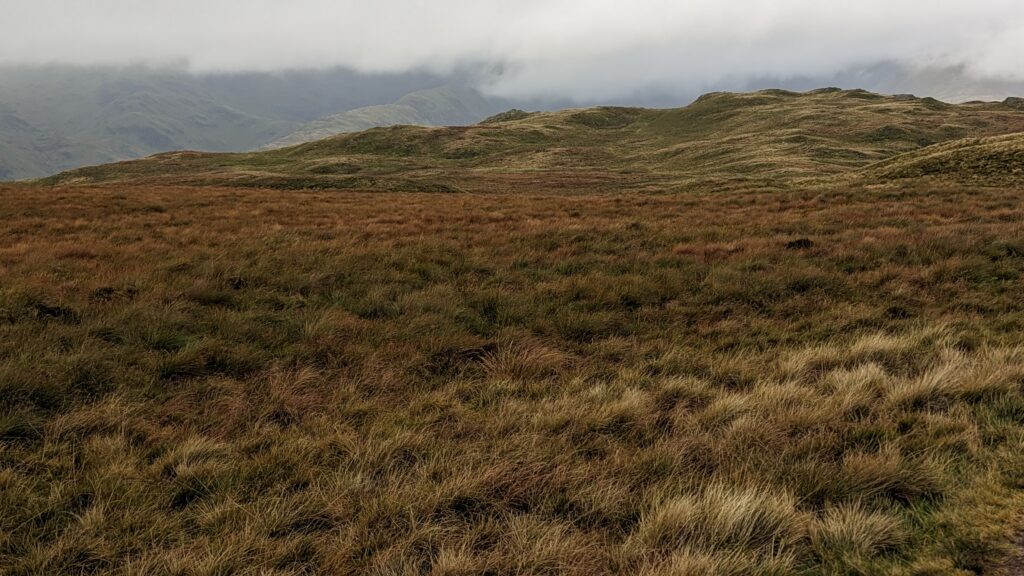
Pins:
x: 768, y: 333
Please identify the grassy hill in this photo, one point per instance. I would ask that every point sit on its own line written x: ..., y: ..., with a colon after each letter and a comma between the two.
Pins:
x: 769, y: 137
x: 768, y: 334
x: 996, y: 160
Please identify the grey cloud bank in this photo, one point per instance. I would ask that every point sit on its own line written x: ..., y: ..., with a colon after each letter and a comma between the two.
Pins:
x: 581, y: 49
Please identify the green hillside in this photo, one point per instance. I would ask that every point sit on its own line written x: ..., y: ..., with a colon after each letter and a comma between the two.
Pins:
x: 769, y: 138
x: 996, y: 160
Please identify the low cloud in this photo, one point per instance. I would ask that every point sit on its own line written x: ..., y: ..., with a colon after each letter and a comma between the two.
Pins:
x: 580, y: 49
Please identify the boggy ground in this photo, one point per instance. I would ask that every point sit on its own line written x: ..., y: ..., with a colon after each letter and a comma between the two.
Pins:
x: 241, y: 381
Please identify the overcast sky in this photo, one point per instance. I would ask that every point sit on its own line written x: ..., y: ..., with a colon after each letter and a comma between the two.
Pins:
x: 589, y: 48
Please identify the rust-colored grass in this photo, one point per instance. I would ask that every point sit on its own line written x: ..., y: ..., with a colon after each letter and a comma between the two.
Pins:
x: 245, y: 381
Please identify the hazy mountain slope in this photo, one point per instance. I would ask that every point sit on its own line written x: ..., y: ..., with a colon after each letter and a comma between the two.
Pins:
x: 30, y: 148
x: 20, y: 145
x: 446, y: 106
x: 60, y: 117
x: 771, y: 137
x: 158, y: 120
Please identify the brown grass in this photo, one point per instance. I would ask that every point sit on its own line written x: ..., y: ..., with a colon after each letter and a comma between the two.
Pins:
x: 219, y: 381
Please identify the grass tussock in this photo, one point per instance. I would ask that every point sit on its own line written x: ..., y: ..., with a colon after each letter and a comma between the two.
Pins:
x: 852, y: 534
x: 719, y: 518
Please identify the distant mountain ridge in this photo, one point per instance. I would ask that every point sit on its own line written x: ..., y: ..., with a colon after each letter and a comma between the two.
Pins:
x: 55, y: 118
x: 445, y: 106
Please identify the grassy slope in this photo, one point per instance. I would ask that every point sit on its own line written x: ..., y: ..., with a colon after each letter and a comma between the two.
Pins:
x: 994, y: 160
x: 825, y: 379
x: 767, y: 138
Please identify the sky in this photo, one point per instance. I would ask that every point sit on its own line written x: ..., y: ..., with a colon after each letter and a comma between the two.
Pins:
x: 571, y: 48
